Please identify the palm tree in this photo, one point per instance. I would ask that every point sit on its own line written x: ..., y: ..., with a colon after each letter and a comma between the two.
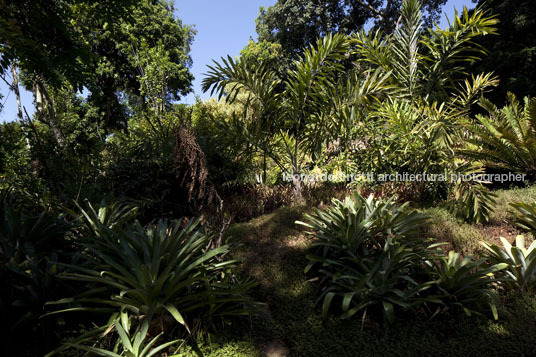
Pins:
x: 289, y: 123
x: 321, y: 101
x: 426, y: 62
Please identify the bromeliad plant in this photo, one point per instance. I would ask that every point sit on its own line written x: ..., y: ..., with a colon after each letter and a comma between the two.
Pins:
x: 365, y: 251
x: 383, y: 279
x: 520, y: 262
x: 358, y: 225
x: 369, y: 255
x: 132, y: 339
x: 25, y: 234
x: 465, y: 282
x: 166, y: 269
x: 31, y: 239
x: 104, y: 216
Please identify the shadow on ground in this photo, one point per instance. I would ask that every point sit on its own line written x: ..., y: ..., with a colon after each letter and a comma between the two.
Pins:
x: 274, y: 249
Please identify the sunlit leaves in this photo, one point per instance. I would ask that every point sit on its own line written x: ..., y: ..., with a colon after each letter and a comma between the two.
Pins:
x: 505, y: 138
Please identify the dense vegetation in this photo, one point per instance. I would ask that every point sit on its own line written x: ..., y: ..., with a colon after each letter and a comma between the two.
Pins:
x: 345, y: 192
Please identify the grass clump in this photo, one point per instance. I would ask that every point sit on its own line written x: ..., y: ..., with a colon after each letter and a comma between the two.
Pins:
x: 502, y: 213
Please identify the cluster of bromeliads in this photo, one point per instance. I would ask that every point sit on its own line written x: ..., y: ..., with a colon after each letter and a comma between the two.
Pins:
x: 135, y: 282
x: 372, y: 253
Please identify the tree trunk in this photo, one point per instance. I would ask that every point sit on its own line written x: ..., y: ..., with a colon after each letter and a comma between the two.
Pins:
x: 264, y: 168
x: 15, y: 85
x: 296, y: 179
x: 297, y: 185
x: 17, y: 93
x: 42, y: 96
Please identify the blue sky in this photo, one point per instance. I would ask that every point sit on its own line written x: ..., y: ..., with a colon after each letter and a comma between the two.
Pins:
x: 223, y: 28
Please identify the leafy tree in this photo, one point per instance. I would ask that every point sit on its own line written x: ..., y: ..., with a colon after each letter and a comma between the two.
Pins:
x: 141, y: 61
x: 512, y: 55
x: 14, y: 158
x: 38, y: 35
x: 131, y: 56
x: 230, y: 159
x: 266, y: 53
x: 48, y: 38
x: 297, y: 23
x: 118, y: 50
x: 427, y: 62
x: 418, y: 131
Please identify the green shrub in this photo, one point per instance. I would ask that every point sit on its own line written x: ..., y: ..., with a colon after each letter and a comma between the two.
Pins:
x: 504, y: 139
x: 383, y: 279
x: 25, y: 235
x: 168, y: 269
x: 129, y: 343
x: 31, y: 240
x: 465, y: 282
x: 473, y: 201
x: 366, y: 249
x: 369, y: 255
x: 96, y: 220
x: 357, y: 225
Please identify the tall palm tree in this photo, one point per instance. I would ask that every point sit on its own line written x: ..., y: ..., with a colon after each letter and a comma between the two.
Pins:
x: 320, y: 100
x: 289, y: 123
x: 426, y: 62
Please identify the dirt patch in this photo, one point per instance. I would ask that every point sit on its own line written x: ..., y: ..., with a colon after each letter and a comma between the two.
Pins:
x: 276, y: 347
x: 494, y: 232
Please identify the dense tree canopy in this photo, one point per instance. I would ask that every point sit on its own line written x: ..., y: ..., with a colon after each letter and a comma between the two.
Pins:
x: 145, y: 57
x: 265, y: 53
x: 297, y: 23
x: 512, y: 54
x: 135, y: 51
x: 48, y: 37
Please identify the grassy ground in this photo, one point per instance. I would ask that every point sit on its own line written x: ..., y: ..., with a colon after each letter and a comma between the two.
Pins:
x: 465, y: 238
x: 274, y: 249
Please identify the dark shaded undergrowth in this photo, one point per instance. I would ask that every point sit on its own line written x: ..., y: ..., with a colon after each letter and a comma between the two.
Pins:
x: 274, y: 249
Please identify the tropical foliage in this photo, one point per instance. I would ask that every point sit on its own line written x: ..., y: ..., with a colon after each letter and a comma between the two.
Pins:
x: 520, y: 261
x: 505, y: 138
x: 396, y: 69
x: 382, y: 279
x: 402, y: 119
x: 296, y: 24
x: 358, y: 225
x: 303, y: 100
x: 398, y: 273
x: 157, y: 270
x: 525, y: 215
x: 512, y: 53
x: 472, y: 200
x: 129, y: 344
x: 464, y: 282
